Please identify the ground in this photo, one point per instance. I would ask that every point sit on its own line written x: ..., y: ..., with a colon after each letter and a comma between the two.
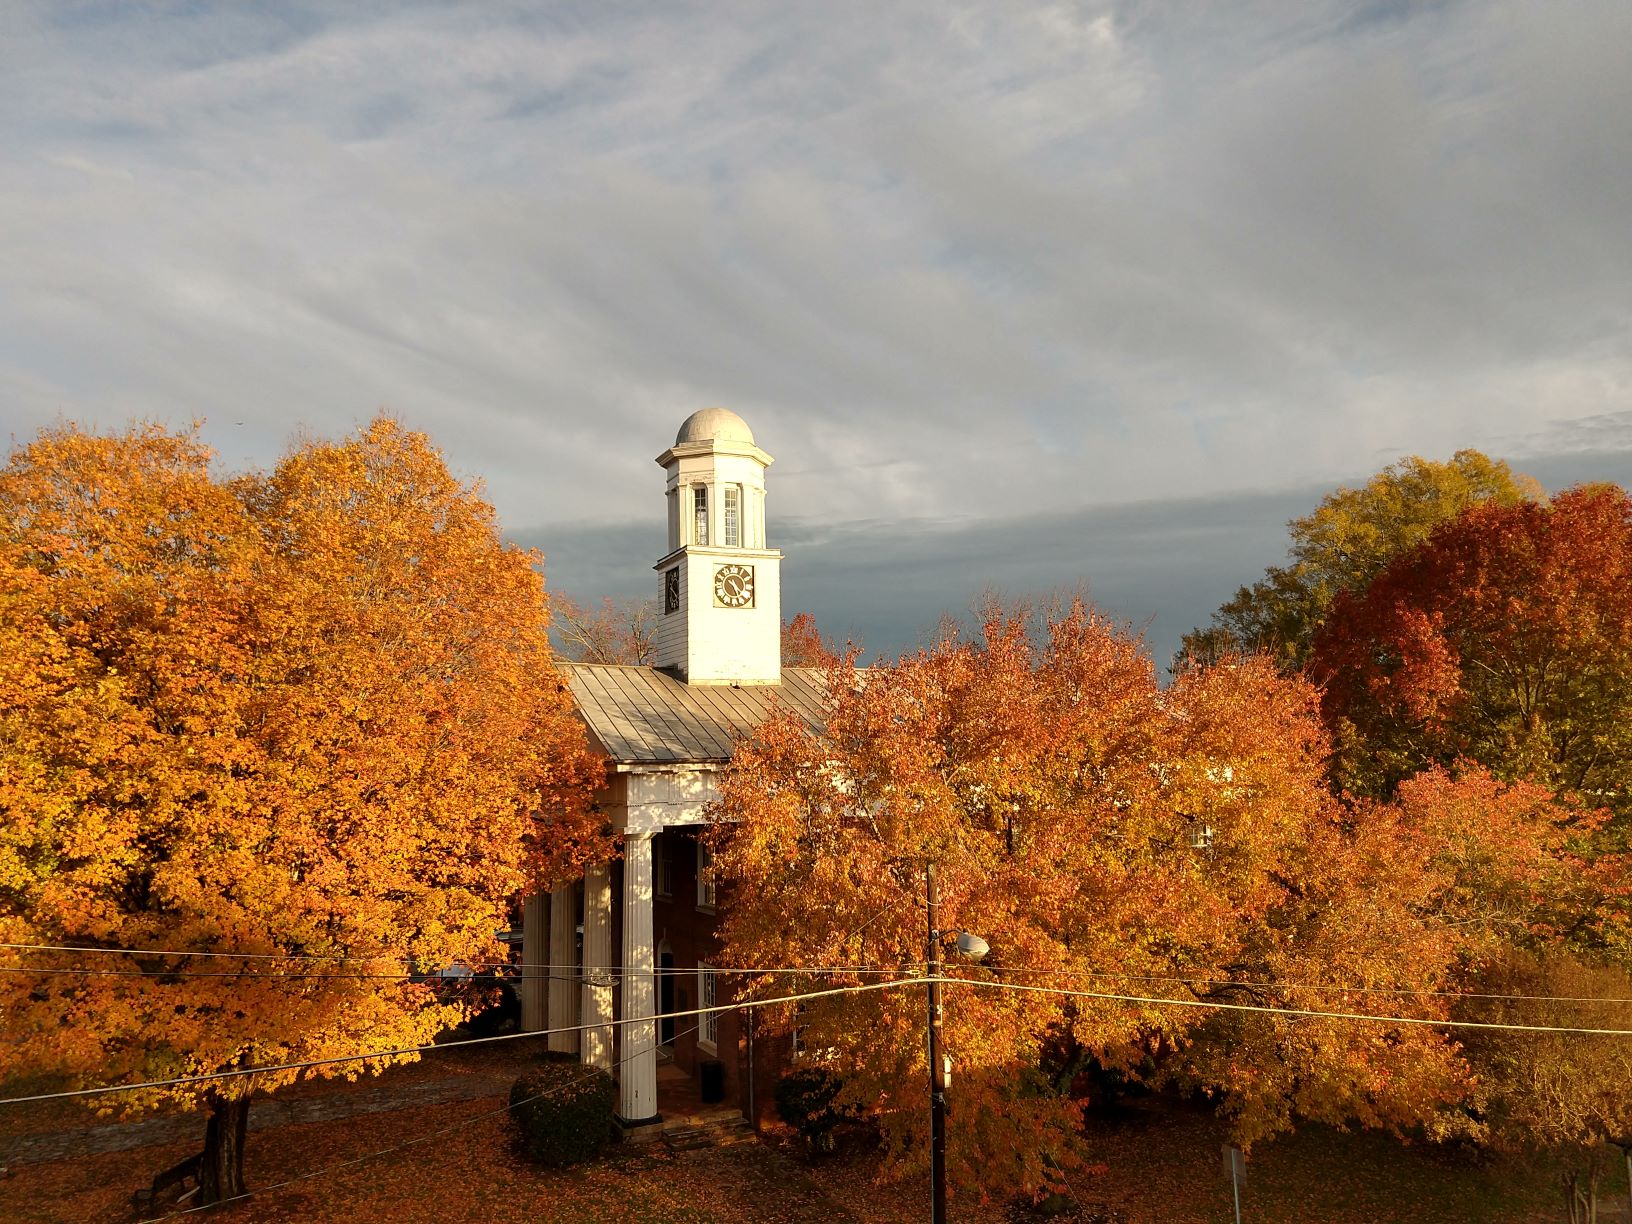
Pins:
x: 407, y: 1148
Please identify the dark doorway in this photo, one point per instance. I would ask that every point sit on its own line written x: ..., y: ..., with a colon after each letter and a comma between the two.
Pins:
x: 665, y: 997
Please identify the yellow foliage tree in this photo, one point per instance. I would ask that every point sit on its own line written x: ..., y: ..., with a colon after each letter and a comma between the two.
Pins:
x: 1348, y: 540
x: 305, y: 714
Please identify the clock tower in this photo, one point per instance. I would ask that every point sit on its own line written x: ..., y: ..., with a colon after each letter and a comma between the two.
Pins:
x: 720, y: 596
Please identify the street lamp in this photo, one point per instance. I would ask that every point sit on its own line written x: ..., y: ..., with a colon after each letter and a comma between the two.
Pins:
x: 974, y: 948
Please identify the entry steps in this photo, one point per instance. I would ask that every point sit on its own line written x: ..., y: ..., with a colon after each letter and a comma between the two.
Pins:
x: 692, y: 1134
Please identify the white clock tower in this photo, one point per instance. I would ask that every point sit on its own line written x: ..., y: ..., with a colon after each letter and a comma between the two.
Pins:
x: 720, y: 591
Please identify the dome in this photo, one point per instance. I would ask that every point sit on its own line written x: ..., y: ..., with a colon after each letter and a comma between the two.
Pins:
x: 714, y: 425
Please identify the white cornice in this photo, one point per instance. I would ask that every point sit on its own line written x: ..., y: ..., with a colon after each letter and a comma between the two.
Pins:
x: 714, y: 446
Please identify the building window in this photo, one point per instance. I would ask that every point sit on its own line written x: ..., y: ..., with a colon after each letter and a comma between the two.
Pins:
x: 731, y: 512
x: 799, y: 1048
x: 705, y: 878
x: 699, y: 510
x: 662, y: 867
x: 708, y: 995
x: 671, y: 591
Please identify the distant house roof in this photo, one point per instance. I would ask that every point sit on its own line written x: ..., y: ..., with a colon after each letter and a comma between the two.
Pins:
x: 641, y: 715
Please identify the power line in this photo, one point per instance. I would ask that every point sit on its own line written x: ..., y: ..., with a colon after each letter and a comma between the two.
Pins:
x: 1294, y: 1011
x: 573, y: 972
x: 1330, y: 987
x: 25, y: 947
x: 431, y: 979
x: 1011, y: 986
x: 576, y: 973
x: 214, y: 1076
x: 578, y: 976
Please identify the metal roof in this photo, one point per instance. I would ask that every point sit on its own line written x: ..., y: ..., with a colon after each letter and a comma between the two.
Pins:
x: 644, y: 716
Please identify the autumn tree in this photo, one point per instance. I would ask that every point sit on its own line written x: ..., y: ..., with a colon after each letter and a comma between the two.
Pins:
x: 1506, y: 638
x: 803, y: 644
x: 1562, y: 1094
x: 607, y: 632
x: 305, y: 714
x: 1345, y: 543
x: 1399, y: 908
x: 1097, y: 831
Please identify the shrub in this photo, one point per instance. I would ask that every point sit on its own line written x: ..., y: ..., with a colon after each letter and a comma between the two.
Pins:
x: 562, y: 1112
x: 805, y: 1101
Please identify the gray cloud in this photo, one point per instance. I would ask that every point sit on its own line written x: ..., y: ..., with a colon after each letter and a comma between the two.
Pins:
x: 978, y: 268
x: 1161, y: 566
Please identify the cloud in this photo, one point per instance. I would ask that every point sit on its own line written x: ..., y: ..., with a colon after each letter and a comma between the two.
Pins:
x: 970, y: 266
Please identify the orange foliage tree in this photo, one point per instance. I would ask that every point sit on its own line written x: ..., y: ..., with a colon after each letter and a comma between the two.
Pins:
x: 1396, y: 909
x: 1561, y: 1092
x: 311, y: 713
x: 1506, y: 639
x: 803, y: 644
x: 1097, y: 831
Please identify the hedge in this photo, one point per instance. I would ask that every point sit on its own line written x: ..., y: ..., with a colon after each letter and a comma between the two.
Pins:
x: 563, y: 1112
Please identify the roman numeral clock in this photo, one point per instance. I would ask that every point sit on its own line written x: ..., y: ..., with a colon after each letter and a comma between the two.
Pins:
x: 734, y: 586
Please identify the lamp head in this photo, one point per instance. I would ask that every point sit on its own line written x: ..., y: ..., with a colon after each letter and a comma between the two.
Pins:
x: 972, y: 947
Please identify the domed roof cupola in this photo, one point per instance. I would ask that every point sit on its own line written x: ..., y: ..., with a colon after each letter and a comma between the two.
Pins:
x: 714, y: 425
x: 722, y: 603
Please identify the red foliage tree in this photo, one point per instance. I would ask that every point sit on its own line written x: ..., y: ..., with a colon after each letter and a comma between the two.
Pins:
x: 1506, y: 639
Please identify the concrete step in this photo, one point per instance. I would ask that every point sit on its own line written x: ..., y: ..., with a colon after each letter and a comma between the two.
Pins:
x: 708, y: 1135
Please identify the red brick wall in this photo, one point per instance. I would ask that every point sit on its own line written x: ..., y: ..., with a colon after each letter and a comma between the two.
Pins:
x: 688, y: 933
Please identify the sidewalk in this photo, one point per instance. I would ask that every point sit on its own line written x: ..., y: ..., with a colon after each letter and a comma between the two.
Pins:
x: 345, y: 1101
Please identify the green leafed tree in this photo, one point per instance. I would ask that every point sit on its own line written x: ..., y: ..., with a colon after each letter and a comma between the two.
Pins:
x: 1343, y: 545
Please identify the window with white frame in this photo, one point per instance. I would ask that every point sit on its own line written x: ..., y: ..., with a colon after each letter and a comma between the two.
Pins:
x: 708, y: 995
x: 731, y: 516
x: 699, y: 510
x: 662, y: 867
x: 705, y: 878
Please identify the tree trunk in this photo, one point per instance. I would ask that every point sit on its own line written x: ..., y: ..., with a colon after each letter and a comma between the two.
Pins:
x: 1581, y: 1187
x: 221, y: 1173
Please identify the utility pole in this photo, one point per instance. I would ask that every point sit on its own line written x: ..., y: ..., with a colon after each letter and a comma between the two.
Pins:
x: 937, y: 1072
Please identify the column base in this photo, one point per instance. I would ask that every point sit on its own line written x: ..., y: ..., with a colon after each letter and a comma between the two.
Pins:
x: 639, y: 1130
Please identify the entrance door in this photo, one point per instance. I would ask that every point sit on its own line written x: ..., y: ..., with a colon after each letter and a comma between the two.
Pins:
x: 665, y: 997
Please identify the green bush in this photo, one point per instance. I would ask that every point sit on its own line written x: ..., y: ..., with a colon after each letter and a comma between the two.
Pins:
x: 562, y: 1112
x: 804, y: 1100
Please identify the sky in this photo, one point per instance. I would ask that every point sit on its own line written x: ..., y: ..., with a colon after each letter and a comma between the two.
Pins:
x: 1023, y: 295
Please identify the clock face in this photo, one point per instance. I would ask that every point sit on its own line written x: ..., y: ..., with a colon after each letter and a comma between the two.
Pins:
x: 734, y: 586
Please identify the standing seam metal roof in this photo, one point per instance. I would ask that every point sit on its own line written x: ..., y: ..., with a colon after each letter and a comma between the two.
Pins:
x: 644, y: 716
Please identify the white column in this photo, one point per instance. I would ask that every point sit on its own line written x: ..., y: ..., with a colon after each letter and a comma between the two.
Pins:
x: 637, y: 1075
x: 563, y: 991
x: 535, y: 956
x: 598, y: 979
